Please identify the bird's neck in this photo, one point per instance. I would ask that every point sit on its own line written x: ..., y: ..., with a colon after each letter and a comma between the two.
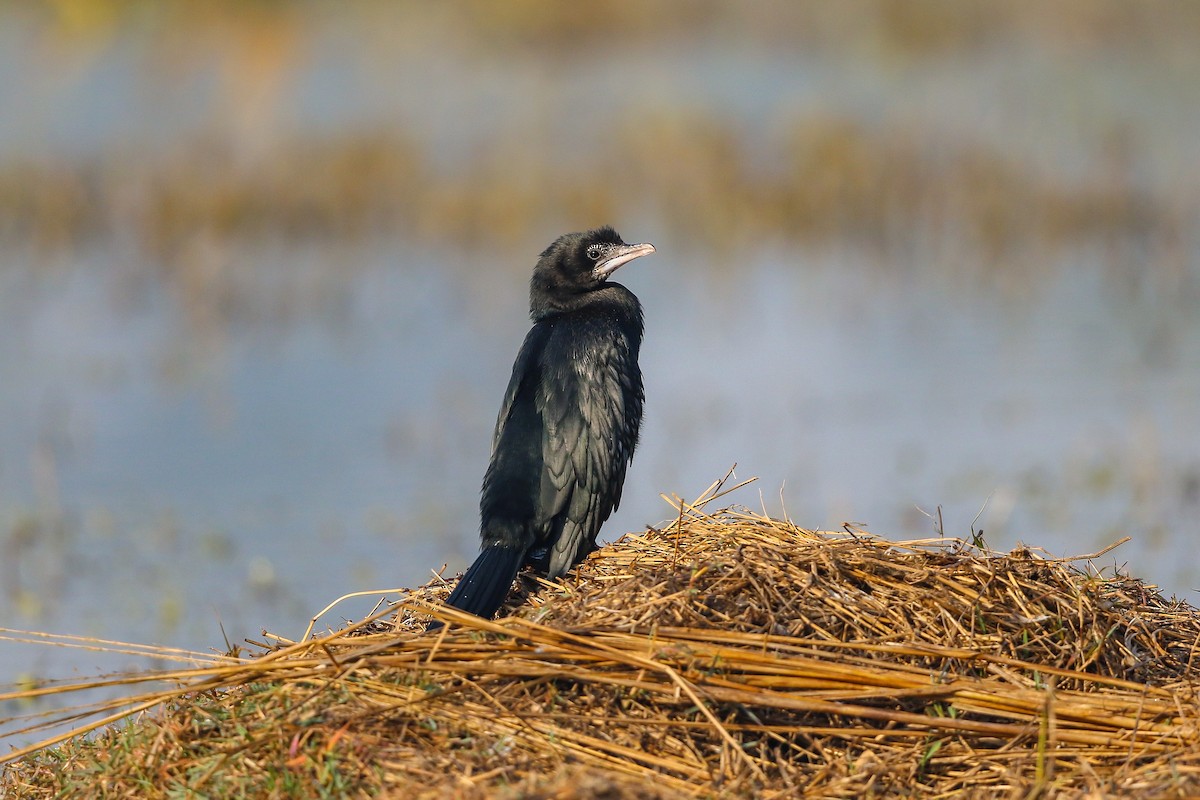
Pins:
x: 612, y: 297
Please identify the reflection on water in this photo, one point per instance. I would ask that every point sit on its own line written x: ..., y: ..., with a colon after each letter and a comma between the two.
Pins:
x: 261, y: 289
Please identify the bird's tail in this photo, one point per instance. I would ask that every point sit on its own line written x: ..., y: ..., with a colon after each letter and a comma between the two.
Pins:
x: 486, y: 583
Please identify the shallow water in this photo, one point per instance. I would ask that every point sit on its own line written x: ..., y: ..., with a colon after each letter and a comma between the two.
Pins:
x: 243, y: 484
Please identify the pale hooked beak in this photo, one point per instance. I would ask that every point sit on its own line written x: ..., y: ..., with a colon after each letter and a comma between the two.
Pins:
x: 619, y: 256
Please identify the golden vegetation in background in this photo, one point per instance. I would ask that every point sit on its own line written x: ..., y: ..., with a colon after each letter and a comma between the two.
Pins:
x: 826, y: 176
x: 836, y: 181
x: 915, y: 27
x: 726, y: 654
x: 962, y: 207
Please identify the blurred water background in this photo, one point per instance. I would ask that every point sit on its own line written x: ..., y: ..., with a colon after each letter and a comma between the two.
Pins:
x: 264, y: 270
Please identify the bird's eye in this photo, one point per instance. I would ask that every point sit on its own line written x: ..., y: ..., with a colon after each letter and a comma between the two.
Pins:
x: 594, y: 251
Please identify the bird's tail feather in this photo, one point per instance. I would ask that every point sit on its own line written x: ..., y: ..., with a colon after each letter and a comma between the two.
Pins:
x: 486, y: 582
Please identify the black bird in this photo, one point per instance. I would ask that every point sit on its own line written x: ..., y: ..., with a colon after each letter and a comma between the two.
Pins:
x: 569, y: 422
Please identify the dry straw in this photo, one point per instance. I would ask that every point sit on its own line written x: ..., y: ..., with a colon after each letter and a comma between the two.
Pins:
x: 723, y: 654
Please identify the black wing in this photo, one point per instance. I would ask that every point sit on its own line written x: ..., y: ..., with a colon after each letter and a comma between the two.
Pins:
x: 565, y: 434
x: 590, y: 403
x: 508, y: 502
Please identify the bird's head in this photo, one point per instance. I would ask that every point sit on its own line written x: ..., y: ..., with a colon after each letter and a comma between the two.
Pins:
x: 578, y: 263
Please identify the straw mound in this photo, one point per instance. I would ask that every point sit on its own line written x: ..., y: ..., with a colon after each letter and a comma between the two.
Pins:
x: 729, y: 654
x: 740, y: 651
